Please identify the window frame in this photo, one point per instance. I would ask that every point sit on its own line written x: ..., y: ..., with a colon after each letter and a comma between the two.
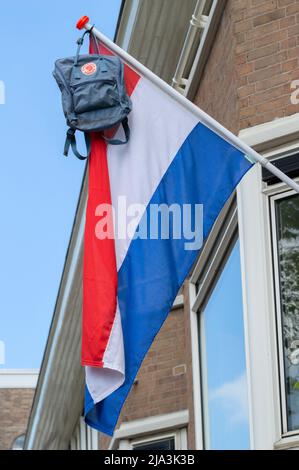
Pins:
x: 277, y: 139
x: 213, y: 257
x: 152, y: 428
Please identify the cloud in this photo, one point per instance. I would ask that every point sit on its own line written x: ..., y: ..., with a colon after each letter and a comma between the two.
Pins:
x: 233, y: 399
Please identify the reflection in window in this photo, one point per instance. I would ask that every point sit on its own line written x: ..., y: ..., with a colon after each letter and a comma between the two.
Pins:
x: 287, y: 216
x: 18, y: 443
x: 223, y: 362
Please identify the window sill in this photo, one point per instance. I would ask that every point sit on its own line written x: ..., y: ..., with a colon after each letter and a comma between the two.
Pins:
x: 288, y: 441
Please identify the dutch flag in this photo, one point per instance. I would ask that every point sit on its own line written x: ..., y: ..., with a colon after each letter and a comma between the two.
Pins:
x: 130, y: 283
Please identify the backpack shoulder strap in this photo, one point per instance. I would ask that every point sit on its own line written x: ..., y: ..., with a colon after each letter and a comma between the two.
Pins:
x: 127, y: 132
x: 71, y: 141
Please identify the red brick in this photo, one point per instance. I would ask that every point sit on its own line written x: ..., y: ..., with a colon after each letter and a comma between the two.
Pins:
x: 265, y: 73
x: 241, y: 59
x: 262, y: 31
x: 15, y: 406
x: 269, y: 95
x: 269, y: 17
x: 257, y: 53
x: 248, y: 112
x: 243, y: 26
x: 246, y: 90
x: 271, y: 38
x: 283, y: 3
x: 246, y: 46
x: 245, y: 69
x: 290, y: 65
x: 293, y: 53
x: 293, y: 8
x: 272, y: 82
x: 292, y: 109
x: 259, y: 8
x: 288, y: 43
x: 293, y: 31
x: 270, y: 60
x: 287, y: 22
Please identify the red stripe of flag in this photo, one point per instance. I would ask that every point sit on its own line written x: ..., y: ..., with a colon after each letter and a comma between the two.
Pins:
x: 99, y: 264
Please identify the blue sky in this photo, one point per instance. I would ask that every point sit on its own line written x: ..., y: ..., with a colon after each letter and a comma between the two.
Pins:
x: 225, y: 360
x: 39, y: 188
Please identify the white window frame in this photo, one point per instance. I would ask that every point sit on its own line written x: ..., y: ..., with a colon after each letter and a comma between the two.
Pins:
x: 213, y: 258
x: 84, y: 438
x: 153, y: 428
x: 276, y: 139
x: 18, y: 378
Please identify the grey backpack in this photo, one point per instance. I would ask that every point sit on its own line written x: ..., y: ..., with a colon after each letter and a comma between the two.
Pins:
x: 94, y: 96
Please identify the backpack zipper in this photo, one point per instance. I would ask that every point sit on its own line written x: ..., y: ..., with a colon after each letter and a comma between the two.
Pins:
x: 95, y: 80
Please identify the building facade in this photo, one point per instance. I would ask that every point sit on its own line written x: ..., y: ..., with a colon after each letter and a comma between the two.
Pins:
x: 223, y: 373
x: 16, y: 396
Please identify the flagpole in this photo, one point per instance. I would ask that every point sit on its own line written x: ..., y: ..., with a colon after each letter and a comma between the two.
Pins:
x: 202, y: 116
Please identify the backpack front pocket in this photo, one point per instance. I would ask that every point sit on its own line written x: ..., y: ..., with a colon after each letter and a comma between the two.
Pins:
x: 89, y: 95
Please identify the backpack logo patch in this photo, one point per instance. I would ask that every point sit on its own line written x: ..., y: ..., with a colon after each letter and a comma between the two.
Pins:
x: 89, y: 69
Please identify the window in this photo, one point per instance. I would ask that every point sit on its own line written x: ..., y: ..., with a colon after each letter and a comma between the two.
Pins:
x: 18, y: 443
x: 285, y: 214
x: 219, y: 364
x: 223, y: 362
x: 160, y: 432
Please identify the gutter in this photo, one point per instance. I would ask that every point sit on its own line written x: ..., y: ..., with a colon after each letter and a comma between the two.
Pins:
x: 197, y: 23
x: 122, y: 6
x: 205, y: 46
x: 206, y: 23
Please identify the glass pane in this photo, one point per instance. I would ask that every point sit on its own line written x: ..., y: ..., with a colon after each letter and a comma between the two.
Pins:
x: 287, y: 212
x: 224, y: 368
x: 165, y: 444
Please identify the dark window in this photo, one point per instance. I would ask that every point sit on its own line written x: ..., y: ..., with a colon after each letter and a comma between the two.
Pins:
x: 287, y: 217
x: 289, y: 165
x: 163, y: 444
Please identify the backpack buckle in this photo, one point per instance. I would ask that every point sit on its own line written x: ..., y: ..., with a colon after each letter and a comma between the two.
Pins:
x: 71, y: 132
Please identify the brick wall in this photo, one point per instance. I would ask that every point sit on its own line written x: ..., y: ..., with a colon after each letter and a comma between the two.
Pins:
x: 254, y: 60
x: 15, y: 405
x: 163, y: 381
x: 217, y: 94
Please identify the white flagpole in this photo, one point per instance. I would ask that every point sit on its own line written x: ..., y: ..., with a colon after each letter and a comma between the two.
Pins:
x: 202, y: 116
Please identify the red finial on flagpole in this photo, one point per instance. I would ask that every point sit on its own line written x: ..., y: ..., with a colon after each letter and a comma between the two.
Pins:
x: 82, y: 22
